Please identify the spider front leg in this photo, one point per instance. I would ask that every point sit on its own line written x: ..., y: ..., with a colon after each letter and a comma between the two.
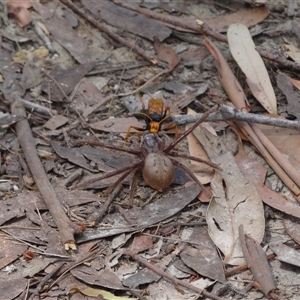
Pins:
x: 184, y: 168
x: 186, y: 133
x: 194, y: 158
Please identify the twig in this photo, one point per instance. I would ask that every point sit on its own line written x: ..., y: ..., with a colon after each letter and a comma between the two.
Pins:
x: 160, y: 272
x: 111, y: 34
x: 73, y: 265
x: 58, y: 85
x: 37, y: 250
x: 40, y: 33
x: 36, y: 107
x: 226, y: 113
x: 66, y: 228
x: 37, y: 290
x: 204, y: 29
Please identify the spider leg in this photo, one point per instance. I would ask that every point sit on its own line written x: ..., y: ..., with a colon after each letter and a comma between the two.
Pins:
x: 183, y: 167
x: 134, y: 127
x: 133, y: 186
x: 172, y: 126
x: 194, y: 158
x: 111, y: 193
x: 186, y: 133
x: 108, y: 175
x: 108, y: 146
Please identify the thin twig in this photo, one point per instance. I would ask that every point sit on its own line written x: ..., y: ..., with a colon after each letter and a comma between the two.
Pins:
x: 38, y: 289
x: 36, y: 107
x: 37, y: 250
x: 66, y: 228
x: 162, y: 273
x: 73, y: 265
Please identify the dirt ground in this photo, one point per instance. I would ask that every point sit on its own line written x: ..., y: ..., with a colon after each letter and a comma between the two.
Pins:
x: 86, y: 212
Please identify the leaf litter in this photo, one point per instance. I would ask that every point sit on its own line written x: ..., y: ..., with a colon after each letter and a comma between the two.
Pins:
x: 65, y: 98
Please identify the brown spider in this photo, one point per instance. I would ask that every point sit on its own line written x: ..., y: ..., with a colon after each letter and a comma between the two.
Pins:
x: 156, y: 161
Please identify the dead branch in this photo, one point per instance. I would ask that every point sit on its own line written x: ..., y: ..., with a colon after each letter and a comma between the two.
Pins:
x: 111, y: 34
x: 66, y: 228
x: 162, y: 273
x: 226, y: 113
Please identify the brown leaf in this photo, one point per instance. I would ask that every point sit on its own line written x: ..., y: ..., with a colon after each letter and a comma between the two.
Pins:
x: 203, y: 257
x: 237, y: 200
x: 117, y: 124
x: 103, y: 278
x: 257, y: 261
x: 165, y: 54
x: 248, y: 17
x: 292, y: 96
x: 12, y: 288
x: 19, y: 9
x: 55, y: 122
x: 255, y: 173
x: 10, y: 251
x: 64, y: 81
x: 141, y: 243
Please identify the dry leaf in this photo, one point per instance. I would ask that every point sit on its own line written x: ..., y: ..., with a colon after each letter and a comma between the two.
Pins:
x: 292, y: 96
x: 19, y: 9
x: 243, y: 50
x: 236, y: 201
x: 248, y: 17
x: 165, y: 54
x: 293, y: 52
x: 117, y: 124
x: 257, y: 261
x: 287, y: 254
x: 255, y: 172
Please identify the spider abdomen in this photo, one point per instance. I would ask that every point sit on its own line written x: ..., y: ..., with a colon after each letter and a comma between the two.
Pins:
x: 158, y: 171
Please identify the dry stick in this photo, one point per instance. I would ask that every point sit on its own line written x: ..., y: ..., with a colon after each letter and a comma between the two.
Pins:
x: 226, y: 113
x: 36, y: 107
x: 160, y: 272
x: 87, y: 257
x: 204, y: 29
x: 38, y: 289
x: 111, y: 34
x: 66, y: 228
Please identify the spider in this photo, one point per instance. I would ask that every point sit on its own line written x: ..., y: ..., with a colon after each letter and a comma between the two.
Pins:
x: 156, y: 161
x: 154, y: 115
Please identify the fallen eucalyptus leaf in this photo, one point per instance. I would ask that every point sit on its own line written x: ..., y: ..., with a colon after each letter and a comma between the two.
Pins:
x: 243, y: 50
